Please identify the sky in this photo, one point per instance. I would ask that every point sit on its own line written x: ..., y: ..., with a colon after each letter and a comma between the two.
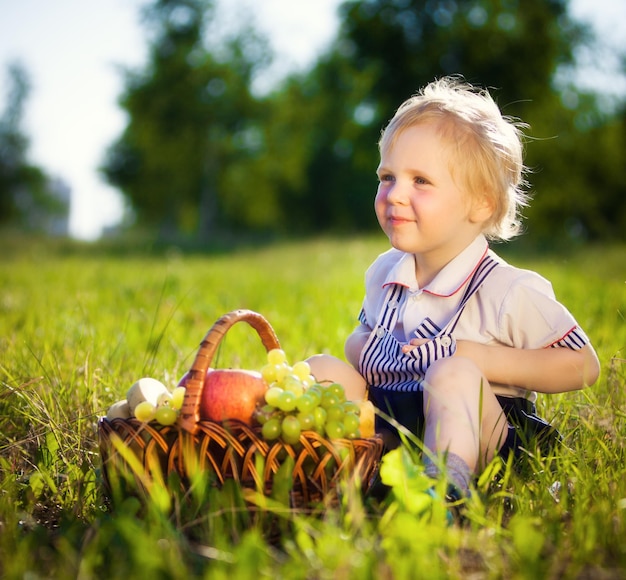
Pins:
x: 73, y: 51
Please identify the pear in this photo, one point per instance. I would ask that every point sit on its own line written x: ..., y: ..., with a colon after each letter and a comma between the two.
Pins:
x: 119, y: 410
x: 366, y: 417
x: 145, y: 389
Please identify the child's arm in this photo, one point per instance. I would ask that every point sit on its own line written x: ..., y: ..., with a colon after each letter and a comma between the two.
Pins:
x: 547, y: 370
x: 355, y: 343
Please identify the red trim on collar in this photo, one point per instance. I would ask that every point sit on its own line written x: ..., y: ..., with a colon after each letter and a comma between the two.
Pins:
x: 469, y: 276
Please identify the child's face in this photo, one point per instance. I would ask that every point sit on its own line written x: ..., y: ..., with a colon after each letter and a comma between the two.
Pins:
x: 418, y: 204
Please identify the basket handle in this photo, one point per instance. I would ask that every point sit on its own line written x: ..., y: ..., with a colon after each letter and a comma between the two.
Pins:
x: 190, y: 411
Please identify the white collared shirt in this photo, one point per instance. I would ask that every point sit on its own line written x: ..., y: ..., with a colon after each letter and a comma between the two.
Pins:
x: 513, y: 307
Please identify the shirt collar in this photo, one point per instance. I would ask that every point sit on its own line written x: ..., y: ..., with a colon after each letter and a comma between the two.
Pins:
x: 452, y: 277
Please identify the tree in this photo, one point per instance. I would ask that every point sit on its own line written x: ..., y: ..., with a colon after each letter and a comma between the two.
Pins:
x: 202, y: 151
x: 315, y: 153
x: 28, y: 197
x: 192, y: 119
x: 580, y: 191
x: 522, y: 52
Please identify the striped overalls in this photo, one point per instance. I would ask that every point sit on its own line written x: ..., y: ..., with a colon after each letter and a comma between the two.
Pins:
x: 395, y: 378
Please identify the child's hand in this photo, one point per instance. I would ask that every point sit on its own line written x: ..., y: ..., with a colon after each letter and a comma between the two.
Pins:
x: 413, y: 343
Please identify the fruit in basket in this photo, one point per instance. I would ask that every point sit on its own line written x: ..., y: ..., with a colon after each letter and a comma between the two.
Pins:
x: 166, y: 415
x: 366, y: 416
x: 145, y: 389
x: 145, y: 411
x: 231, y: 394
x: 276, y: 356
x: 149, y: 400
x: 178, y: 396
x: 291, y: 429
x: 271, y: 429
x: 119, y: 410
x: 185, y: 378
x: 295, y: 402
x: 352, y: 424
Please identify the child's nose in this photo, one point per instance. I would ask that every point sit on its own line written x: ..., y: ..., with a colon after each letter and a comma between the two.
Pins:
x: 397, y: 194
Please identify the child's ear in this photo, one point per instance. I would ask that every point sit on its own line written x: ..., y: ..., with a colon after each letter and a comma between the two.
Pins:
x: 482, y: 208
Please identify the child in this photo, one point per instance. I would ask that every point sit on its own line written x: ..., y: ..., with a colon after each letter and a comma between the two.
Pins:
x: 453, y: 342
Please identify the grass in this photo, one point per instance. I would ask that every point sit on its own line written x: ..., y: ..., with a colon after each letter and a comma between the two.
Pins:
x: 78, y: 325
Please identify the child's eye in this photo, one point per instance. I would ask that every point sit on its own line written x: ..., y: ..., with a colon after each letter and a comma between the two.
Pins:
x: 385, y: 177
x: 421, y: 180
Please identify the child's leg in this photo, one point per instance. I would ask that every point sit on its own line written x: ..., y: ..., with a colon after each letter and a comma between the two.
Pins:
x: 463, y: 417
x: 327, y: 368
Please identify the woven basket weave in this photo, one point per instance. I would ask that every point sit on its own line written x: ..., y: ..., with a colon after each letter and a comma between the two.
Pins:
x: 233, y: 450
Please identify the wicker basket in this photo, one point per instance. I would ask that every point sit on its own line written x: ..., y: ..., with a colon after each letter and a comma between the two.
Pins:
x: 233, y: 450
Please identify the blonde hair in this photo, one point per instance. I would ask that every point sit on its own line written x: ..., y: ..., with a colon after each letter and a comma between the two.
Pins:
x: 486, y: 147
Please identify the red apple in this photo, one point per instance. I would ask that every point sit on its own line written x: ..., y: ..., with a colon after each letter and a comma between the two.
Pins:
x: 231, y: 394
x: 185, y: 377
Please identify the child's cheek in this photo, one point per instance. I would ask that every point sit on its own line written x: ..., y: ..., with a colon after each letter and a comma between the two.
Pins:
x: 380, y: 206
x: 380, y: 202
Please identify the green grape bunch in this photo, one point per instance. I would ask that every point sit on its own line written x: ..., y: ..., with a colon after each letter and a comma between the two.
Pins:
x: 165, y: 411
x: 296, y: 402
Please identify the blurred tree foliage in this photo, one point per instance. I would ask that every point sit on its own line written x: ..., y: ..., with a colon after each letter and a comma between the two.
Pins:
x: 201, y: 149
x: 194, y: 127
x: 27, y: 196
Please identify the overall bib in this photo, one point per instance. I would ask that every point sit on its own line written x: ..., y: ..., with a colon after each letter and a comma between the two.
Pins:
x: 395, y: 378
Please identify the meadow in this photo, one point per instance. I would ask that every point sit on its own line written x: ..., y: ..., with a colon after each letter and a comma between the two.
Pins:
x: 80, y: 323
